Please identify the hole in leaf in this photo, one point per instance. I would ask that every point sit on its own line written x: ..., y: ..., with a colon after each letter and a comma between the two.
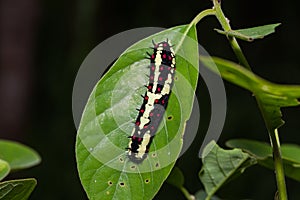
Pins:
x: 133, y: 167
x: 170, y: 117
x: 157, y: 165
x: 110, y: 182
x: 154, y: 155
x: 122, y: 184
x: 121, y: 159
x: 147, y: 181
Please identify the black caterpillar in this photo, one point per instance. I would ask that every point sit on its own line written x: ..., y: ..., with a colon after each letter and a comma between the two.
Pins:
x: 162, y: 72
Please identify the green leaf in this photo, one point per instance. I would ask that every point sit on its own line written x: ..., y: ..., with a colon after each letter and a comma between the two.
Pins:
x: 291, y: 160
x: 220, y: 166
x: 4, y: 169
x: 104, y: 168
x: 291, y: 152
x: 263, y: 153
x: 17, y: 189
x: 18, y: 155
x: 270, y: 96
x: 258, y: 149
x: 250, y: 34
x: 176, y: 178
x: 201, y: 195
x: 291, y: 169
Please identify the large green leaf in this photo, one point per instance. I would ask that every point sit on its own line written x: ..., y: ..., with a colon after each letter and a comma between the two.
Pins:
x: 263, y: 153
x: 271, y: 97
x: 4, y: 169
x: 17, y: 189
x: 250, y: 34
x: 18, y: 155
x: 104, y: 168
x: 220, y: 166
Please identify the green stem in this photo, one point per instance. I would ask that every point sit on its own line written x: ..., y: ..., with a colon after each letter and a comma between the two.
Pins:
x: 278, y: 165
x: 187, y: 194
x: 277, y: 157
x: 195, y: 21
x: 273, y: 133
x: 232, y: 40
x: 201, y: 15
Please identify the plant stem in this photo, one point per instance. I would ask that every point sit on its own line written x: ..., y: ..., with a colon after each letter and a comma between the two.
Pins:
x: 195, y: 21
x: 273, y: 133
x: 202, y: 14
x: 187, y: 194
x: 233, y: 42
x: 278, y: 165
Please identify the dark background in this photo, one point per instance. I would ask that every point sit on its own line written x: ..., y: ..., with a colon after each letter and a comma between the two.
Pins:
x: 43, y: 42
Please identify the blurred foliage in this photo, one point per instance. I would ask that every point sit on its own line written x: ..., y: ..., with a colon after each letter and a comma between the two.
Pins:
x: 13, y: 157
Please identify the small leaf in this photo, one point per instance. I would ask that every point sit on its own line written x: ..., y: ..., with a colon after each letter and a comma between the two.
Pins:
x: 201, y: 195
x: 258, y: 149
x: 17, y: 189
x: 18, y: 155
x: 263, y: 153
x: 250, y: 34
x: 4, y: 169
x: 176, y: 178
x: 270, y: 96
x: 291, y: 169
x: 291, y: 152
x: 291, y: 160
x: 219, y: 166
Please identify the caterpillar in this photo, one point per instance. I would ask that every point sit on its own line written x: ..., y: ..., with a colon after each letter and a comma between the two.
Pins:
x: 155, y: 101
